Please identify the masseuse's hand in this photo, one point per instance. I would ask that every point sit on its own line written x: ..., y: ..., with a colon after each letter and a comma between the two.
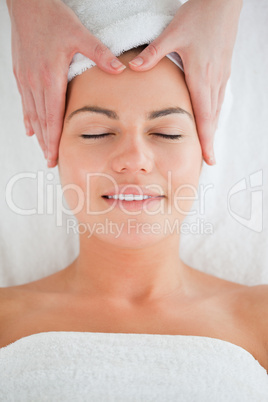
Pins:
x: 45, y: 36
x: 203, y: 33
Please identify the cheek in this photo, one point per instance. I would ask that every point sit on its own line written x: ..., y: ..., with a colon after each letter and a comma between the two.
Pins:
x: 78, y: 166
x: 185, y: 162
x: 72, y: 171
x: 185, y: 168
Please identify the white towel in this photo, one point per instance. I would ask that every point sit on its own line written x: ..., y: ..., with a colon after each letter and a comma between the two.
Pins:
x: 106, y: 367
x: 122, y: 25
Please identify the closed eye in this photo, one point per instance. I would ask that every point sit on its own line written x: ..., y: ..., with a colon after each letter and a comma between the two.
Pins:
x: 167, y: 136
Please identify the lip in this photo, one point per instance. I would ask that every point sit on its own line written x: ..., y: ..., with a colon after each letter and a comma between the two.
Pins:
x: 131, y: 189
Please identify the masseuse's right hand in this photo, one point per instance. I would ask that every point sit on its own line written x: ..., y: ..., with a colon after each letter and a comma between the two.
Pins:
x: 43, y: 45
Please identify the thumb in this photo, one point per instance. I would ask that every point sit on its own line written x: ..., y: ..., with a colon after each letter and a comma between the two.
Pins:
x: 200, y: 94
x: 153, y: 53
x: 95, y: 50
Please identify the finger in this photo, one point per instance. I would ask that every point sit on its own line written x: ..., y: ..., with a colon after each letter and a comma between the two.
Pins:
x: 27, y: 123
x: 220, y: 100
x: 156, y: 50
x: 55, y: 108
x: 200, y: 93
x: 26, y: 120
x: 30, y: 105
x: 95, y: 50
x: 207, y: 145
x: 214, y: 94
x: 151, y: 55
x: 219, y: 105
x: 218, y: 97
x: 39, y: 99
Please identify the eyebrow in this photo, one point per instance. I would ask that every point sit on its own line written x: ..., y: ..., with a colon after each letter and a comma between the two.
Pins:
x: 113, y: 115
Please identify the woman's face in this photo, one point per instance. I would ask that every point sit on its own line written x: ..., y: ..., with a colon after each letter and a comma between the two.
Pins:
x: 132, y: 153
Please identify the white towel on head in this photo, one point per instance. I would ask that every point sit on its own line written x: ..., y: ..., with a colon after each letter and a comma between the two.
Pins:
x: 122, y: 25
x: 106, y: 367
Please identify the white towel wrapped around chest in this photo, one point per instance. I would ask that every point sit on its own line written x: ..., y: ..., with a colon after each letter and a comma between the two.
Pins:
x: 104, y: 367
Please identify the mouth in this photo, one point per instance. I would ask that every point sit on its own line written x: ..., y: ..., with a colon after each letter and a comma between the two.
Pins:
x: 129, y: 202
x: 131, y: 197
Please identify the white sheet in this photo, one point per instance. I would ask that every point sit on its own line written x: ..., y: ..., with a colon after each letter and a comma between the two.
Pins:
x: 106, y: 367
x: 32, y: 247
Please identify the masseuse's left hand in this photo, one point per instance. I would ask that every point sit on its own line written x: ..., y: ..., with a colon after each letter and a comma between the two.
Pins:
x: 203, y: 33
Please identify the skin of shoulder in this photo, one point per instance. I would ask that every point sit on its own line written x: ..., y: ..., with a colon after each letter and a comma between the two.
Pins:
x: 256, y: 299
x: 5, y: 305
x: 7, y: 300
x: 258, y: 296
x: 13, y: 300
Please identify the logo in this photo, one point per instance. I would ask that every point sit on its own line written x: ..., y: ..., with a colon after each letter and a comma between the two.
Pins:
x: 255, y: 221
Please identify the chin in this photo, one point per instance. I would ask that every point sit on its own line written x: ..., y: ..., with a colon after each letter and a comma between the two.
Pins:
x: 134, y: 241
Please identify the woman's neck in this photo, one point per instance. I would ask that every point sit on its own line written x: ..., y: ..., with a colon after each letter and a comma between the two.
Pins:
x: 133, y: 275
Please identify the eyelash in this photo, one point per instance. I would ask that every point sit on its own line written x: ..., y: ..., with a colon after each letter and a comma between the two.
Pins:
x: 95, y: 136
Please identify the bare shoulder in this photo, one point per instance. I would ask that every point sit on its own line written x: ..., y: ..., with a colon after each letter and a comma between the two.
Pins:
x: 6, y: 294
x: 7, y: 307
x: 254, y: 308
x: 14, y: 302
x: 256, y: 299
x: 251, y: 304
x: 8, y: 300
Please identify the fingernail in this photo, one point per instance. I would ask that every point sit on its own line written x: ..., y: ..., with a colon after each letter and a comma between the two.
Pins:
x: 50, y: 163
x: 117, y: 65
x: 212, y: 159
x: 27, y: 127
x: 28, y: 132
x: 137, y: 62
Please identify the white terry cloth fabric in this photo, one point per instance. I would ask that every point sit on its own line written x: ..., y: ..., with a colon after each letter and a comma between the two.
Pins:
x: 122, y: 25
x: 106, y: 367
x: 34, y: 246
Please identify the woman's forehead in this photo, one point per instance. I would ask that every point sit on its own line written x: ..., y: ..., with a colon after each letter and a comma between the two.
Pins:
x: 162, y: 85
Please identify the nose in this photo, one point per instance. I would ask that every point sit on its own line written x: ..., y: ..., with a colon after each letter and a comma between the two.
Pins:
x: 133, y: 155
